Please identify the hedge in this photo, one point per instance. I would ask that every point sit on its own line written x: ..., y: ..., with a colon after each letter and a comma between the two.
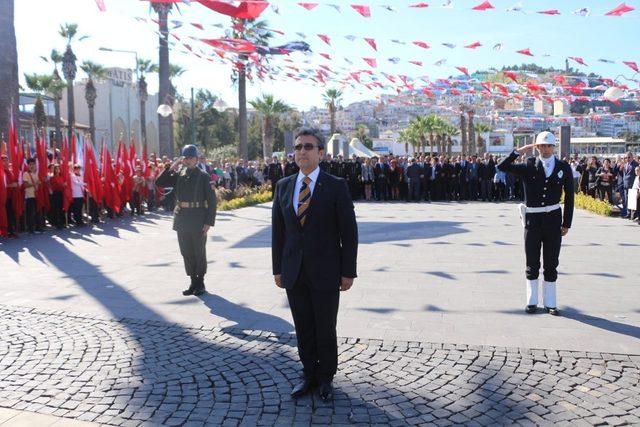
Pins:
x: 243, y: 202
x: 597, y: 206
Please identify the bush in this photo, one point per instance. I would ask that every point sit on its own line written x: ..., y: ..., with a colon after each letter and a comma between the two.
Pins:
x: 597, y: 206
x: 242, y: 202
x: 223, y: 194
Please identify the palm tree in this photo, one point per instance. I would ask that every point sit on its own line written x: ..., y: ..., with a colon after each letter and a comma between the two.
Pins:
x: 472, y: 131
x: 69, y: 69
x: 258, y: 33
x: 55, y: 90
x: 421, y: 127
x: 450, y: 130
x: 270, y: 108
x: 165, y: 124
x: 96, y: 71
x: 479, y: 129
x: 410, y: 135
x: 39, y: 83
x: 144, y: 66
x: 332, y: 98
x: 463, y: 130
x: 8, y: 67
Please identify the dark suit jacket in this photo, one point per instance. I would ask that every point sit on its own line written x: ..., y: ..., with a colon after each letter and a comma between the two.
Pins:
x: 327, y: 246
x: 629, y: 174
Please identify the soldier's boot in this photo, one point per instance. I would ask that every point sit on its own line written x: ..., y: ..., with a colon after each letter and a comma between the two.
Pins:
x: 192, y: 287
x: 199, y: 289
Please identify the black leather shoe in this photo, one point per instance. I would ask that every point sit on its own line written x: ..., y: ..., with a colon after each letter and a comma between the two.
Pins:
x: 302, y: 388
x: 531, y: 309
x: 552, y: 311
x: 326, y: 391
x: 199, y: 291
x: 191, y: 289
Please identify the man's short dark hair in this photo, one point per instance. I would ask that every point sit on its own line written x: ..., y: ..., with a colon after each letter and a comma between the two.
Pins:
x: 31, y: 160
x: 312, y: 132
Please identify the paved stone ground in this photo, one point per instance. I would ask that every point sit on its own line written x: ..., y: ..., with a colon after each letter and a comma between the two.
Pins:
x: 133, y: 372
x: 93, y: 326
x: 430, y: 272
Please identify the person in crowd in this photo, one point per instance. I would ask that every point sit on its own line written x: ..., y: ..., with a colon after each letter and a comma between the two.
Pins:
x: 381, y: 173
x: 606, y: 180
x: 77, y: 193
x: 57, y: 183
x: 395, y: 173
x: 31, y: 184
x: 368, y: 178
x: 628, y: 176
x: 591, y: 175
x: 635, y: 192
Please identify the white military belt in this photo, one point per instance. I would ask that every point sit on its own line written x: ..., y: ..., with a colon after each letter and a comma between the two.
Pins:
x: 543, y: 209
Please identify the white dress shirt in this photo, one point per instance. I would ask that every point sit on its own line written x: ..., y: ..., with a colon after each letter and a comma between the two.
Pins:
x: 77, y: 186
x: 296, y: 191
x: 548, y: 165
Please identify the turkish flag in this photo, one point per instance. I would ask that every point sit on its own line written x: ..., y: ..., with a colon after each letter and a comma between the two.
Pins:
x: 510, y: 74
x: 422, y: 44
x: 464, y: 70
x: 325, y: 38
x: 473, y: 45
x: 526, y: 52
x: 308, y: 6
x: 420, y: 5
x: 362, y: 10
x: 631, y: 65
x: 245, y: 10
x: 620, y: 10
x: 371, y: 42
x: 371, y: 61
x: 483, y: 6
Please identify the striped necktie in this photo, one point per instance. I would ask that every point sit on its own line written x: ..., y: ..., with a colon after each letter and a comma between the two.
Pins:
x: 304, y: 199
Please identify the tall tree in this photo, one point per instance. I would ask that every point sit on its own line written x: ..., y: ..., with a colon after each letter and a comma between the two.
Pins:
x: 55, y: 90
x: 463, y: 131
x: 69, y: 69
x: 332, y: 98
x: 472, y: 130
x: 258, y: 33
x: 270, y: 109
x: 144, y: 67
x: 165, y: 124
x: 8, y: 68
x: 94, y: 71
x: 39, y: 84
x: 479, y: 129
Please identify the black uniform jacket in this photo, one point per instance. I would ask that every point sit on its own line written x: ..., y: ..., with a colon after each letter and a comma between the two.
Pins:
x: 541, y: 191
x: 191, y: 186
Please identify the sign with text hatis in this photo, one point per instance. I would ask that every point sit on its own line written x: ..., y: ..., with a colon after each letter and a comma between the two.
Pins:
x: 120, y: 76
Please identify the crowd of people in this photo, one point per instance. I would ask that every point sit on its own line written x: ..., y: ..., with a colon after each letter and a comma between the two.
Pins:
x: 465, y: 178
x: 419, y: 178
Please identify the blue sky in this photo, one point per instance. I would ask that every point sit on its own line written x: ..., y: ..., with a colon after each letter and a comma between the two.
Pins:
x: 593, y: 37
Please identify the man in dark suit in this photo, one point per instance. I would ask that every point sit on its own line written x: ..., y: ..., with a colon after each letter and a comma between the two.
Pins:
x: 545, y: 223
x: 628, y: 176
x: 274, y: 173
x: 414, y: 174
x: 314, y: 251
x: 381, y: 174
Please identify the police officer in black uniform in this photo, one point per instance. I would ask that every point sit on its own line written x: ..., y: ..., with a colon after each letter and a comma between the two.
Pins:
x: 194, y: 214
x: 274, y: 173
x: 544, y: 177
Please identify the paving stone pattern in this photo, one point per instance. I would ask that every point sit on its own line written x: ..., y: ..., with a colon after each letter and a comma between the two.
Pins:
x: 134, y: 372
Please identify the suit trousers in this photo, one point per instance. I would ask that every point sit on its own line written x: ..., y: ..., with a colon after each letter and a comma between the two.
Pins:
x: 315, y: 314
x: 543, y: 232
x: 193, y: 248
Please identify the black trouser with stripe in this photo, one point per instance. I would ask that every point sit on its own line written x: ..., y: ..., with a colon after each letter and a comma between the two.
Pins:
x: 315, y: 314
x: 542, y: 231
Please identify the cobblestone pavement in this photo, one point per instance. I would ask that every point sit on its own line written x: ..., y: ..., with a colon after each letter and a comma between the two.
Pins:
x: 131, y: 372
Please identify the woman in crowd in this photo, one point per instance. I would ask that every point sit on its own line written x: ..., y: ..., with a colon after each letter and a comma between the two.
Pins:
x: 606, y: 180
x: 394, y: 179
x: 590, y: 175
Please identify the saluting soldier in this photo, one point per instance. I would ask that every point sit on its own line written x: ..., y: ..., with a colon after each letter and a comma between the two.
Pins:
x: 194, y: 214
x: 544, y: 178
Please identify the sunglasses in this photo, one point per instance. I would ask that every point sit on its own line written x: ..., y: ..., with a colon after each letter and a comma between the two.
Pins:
x: 307, y: 146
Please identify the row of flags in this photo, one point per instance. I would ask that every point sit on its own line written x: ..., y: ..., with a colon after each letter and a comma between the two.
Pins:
x: 254, y: 8
x: 109, y: 181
